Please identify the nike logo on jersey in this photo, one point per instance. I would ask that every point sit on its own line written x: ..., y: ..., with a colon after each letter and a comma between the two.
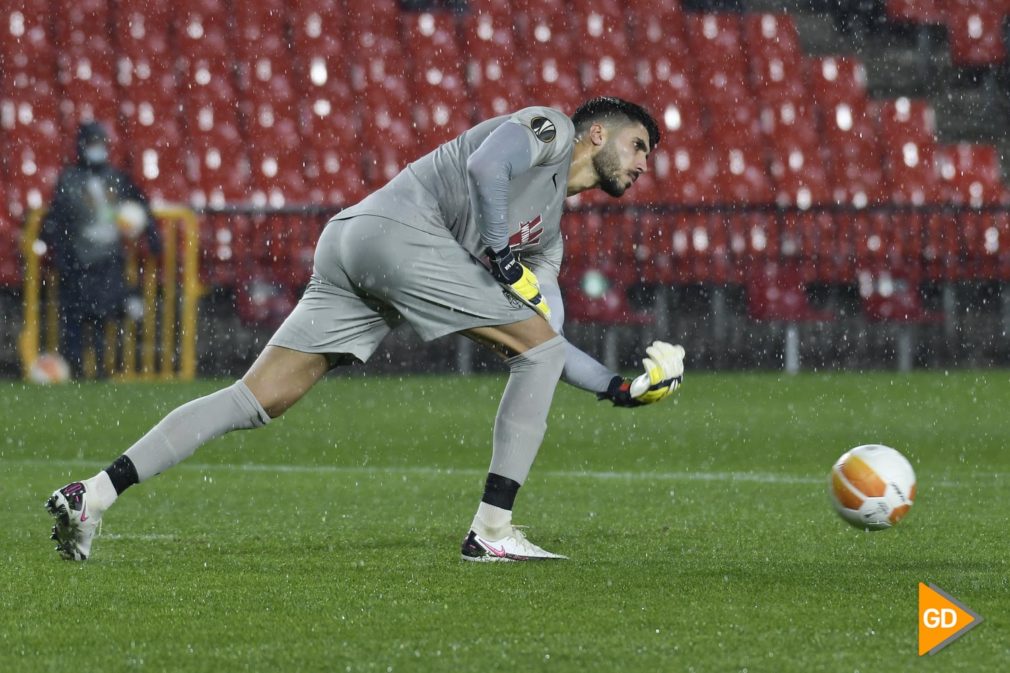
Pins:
x: 529, y: 233
x: 554, y: 179
x: 84, y: 513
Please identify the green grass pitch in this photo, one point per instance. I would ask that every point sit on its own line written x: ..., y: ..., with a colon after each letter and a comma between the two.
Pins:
x: 700, y: 531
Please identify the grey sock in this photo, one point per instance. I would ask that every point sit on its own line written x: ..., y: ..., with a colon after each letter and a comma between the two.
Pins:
x: 521, y: 422
x: 194, y: 424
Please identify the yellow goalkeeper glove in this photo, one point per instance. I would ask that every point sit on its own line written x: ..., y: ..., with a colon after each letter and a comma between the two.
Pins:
x: 664, y: 372
x: 520, y: 281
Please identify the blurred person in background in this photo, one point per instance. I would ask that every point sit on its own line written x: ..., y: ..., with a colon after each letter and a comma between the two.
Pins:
x: 96, y: 210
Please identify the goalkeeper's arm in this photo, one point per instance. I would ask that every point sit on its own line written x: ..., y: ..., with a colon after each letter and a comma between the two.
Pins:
x: 504, y: 154
x: 585, y: 372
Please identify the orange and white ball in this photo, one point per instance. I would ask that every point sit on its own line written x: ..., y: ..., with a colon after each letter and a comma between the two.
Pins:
x: 872, y: 486
x: 49, y: 368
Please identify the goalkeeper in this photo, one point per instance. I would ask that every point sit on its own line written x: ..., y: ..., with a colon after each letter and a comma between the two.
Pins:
x: 465, y: 240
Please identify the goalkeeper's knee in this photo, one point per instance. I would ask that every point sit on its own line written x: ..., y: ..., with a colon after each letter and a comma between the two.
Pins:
x: 548, y: 357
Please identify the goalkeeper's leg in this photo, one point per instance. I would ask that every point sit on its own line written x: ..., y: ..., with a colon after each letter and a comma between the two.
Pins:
x: 277, y: 379
x: 518, y: 432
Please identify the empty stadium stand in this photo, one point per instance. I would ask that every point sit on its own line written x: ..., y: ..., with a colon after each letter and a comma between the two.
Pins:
x: 773, y: 149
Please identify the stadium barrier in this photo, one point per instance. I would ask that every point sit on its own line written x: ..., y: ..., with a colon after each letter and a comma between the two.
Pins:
x: 162, y: 343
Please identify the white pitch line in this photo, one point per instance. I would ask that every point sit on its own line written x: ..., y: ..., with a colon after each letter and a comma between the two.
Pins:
x: 141, y: 537
x: 369, y: 470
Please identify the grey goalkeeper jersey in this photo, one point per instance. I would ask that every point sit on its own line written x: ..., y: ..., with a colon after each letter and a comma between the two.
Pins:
x: 438, y: 192
x: 513, y: 192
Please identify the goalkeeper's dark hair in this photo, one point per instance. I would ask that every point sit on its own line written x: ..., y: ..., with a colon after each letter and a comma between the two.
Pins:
x: 606, y: 108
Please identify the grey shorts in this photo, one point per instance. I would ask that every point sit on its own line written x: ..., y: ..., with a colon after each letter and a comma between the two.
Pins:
x: 371, y: 273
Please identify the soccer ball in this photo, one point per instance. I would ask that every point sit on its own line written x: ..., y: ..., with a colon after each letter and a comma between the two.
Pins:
x: 872, y: 486
x: 49, y: 368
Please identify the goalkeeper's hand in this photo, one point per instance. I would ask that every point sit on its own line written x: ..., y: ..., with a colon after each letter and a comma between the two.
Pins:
x: 664, y: 372
x: 507, y: 270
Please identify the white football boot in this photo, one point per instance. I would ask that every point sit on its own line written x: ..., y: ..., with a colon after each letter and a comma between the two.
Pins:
x: 76, y: 523
x: 512, y: 547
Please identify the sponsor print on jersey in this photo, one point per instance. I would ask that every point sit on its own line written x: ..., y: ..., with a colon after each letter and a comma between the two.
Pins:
x: 529, y: 233
x: 543, y: 129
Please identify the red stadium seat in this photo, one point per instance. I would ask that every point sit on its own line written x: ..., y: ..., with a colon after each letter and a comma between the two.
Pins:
x: 27, y: 50
x: 438, y: 88
x: 333, y: 160
x: 10, y: 246
x: 275, y: 157
x: 135, y: 21
x: 390, y: 139
x: 655, y: 22
x: 853, y: 155
x: 976, y: 33
x: 911, y: 172
x: 606, y: 63
x: 86, y: 79
x: 550, y: 55
x: 654, y: 249
x: 971, y: 174
x: 439, y: 116
x: 604, y: 241
x: 270, y: 59
x: 555, y: 82
x: 776, y: 292
x: 600, y: 25
x: 78, y: 23
x: 835, y: 80
x: 734, y: 123
x: 496, y: 97
x: 684, y: 174
x: 700, y: 250
x: 907, y: 119
x: 792, y: 121
x: 799, y: 177
x: 716, y: 40
x: 219, y: 172
x: 207, y: 79
x: 145, y: 65
x: 34, y: 147
x: 940, y: 247
x: 546, y: 28
x: 194, y: 19
x: 258, y: 24
x: 907, y: 133
x: 157, y: 156
x: 318, y: 28
x: 831, y: 256
x: 430, y: 38
x: 384, y: 102
x: 986, y: 245
x: 678, y: 114
x: 776, y: 62
x: 743, y: 175
x: 493, y: 66
x: 380, y: 23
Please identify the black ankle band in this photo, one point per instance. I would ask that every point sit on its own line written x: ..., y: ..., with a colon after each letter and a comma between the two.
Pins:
x: 500, y: 491
x: 122, y: 473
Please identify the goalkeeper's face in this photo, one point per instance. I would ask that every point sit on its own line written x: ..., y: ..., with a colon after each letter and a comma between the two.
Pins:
x: 622, y: 158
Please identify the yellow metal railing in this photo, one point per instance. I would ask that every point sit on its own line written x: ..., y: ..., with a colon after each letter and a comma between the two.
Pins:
x: 167, y: 329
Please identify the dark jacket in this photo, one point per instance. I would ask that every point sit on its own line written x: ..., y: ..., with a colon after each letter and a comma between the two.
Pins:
x: 80, y: 228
